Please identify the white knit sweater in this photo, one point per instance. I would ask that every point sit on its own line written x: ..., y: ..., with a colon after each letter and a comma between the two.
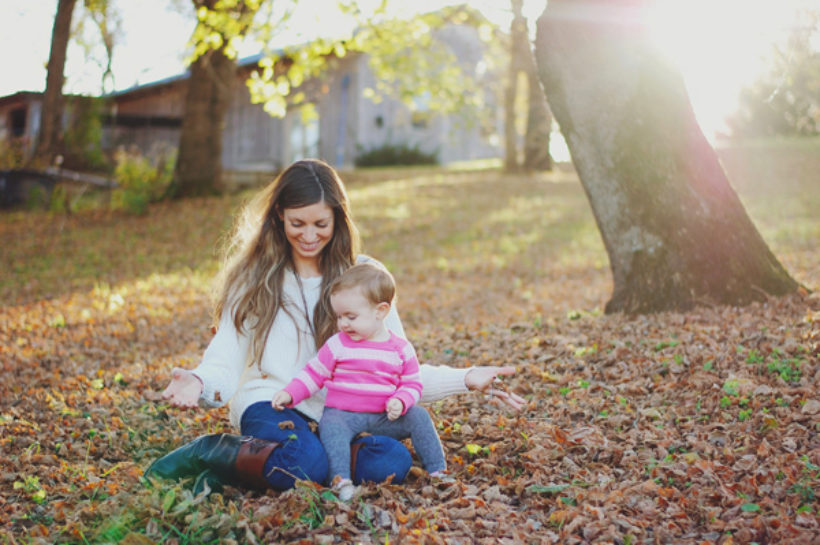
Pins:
x: 227, y: 377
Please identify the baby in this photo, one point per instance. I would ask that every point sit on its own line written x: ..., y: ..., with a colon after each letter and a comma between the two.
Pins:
x: 372, y: 378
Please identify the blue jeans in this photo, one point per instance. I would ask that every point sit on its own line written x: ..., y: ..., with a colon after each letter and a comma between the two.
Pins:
x: 302, y: 456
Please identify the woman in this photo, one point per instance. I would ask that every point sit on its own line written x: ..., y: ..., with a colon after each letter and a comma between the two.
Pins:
x: 273, y: 311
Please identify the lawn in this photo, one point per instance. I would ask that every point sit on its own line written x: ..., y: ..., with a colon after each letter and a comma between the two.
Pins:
x: 679, y: 427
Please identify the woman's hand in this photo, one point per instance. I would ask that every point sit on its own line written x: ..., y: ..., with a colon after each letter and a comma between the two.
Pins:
x: 185, y: 388
x: 482, y: 378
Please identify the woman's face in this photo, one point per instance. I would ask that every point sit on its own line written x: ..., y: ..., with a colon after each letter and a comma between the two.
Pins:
x: 308, y: 230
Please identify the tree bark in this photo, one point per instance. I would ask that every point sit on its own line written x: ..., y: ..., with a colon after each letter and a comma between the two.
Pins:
x: 539, y: 122
x: 199, y: 161
x: 50, y: 138
x: 510, y: 132
x: 676, y: 233
x: 518, y: 34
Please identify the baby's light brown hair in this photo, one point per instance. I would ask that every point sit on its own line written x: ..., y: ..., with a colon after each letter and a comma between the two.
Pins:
x: 375, y: 282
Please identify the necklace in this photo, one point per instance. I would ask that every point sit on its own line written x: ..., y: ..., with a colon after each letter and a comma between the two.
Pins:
x: 305, y: 305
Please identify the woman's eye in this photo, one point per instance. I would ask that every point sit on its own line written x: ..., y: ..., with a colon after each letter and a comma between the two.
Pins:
x: 321, y: 225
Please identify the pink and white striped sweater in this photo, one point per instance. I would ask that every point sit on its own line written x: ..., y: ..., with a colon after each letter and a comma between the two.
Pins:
x: 361, y: 376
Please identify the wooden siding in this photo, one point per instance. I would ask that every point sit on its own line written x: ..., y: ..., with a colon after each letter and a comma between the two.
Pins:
x: 256, y: 145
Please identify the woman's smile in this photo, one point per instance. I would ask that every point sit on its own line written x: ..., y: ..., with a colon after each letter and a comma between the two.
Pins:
x: 308, y: 230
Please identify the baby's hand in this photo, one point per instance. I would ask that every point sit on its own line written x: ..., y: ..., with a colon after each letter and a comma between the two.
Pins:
x: 281, y: 400
x: 394, y: 408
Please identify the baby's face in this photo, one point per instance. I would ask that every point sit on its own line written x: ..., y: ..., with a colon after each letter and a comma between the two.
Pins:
x: 356, y: 315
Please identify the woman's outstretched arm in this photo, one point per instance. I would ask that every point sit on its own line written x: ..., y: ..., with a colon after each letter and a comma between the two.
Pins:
x: 216, y: 378
x: 440, y: 381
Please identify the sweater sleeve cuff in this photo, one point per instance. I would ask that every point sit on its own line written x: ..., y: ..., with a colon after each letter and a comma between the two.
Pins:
x: 211, y: 397
x: 298, y: 392
x: 406, y: 399
x: 442, y: 381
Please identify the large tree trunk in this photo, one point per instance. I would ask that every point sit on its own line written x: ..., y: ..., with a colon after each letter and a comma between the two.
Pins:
x: 52, y: 115
x: 675, y: 231
x: 199, y: 162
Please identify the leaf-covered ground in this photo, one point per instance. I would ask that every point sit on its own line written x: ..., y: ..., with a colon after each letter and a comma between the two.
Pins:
x: 697, y: 427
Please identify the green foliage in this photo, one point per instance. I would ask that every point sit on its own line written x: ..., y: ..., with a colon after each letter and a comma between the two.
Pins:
x: 804, y: 487
x: 548, y: 489
x: 406, y: 55
x: 316, y: 504
x: 12, y: 153
x: 730, y: 387
x: 141, y: 180
x: 394, y: 155
x: 411, y: 58
x: 786, y: 100
x: 83, y: 137
x: 787, y: 369
x: 59, y: 201
x: 37, y: 196
x: 222, y: 25
x: 754, y: 357
x: 31, y: 486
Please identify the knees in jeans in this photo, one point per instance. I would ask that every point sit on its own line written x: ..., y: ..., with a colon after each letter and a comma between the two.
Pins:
x: 314, y: 463
x: 303, y: 459
x: 417, y: 415
x: 379, y: 458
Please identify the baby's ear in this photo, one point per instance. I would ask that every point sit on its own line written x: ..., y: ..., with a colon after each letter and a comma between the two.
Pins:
x: 383, y: 308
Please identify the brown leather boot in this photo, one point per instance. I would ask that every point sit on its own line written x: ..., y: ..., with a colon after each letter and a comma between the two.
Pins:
x: 217, y: 459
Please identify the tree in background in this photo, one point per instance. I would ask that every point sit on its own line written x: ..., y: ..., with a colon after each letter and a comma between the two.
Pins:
x: 50, y: 138
x: 400, y: 52
x: 106, y: 23
x: 674, y: 229
x: 519, y: 46
x: 221, y: 24
x: 80, y: 140
x: 96, y: 23
x: 786, y: 100
x: 538, y: 118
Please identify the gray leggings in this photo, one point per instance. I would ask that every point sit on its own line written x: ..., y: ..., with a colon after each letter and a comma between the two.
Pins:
x: 337, y: 428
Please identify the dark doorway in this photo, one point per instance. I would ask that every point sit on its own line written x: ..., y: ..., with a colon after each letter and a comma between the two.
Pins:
x: 17, y: 122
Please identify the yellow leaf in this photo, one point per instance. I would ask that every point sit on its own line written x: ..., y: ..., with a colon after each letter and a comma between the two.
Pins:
x: 472, y: 448
x: 690, y: 457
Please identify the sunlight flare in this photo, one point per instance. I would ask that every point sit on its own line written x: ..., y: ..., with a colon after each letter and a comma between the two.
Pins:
x: 719, y: 46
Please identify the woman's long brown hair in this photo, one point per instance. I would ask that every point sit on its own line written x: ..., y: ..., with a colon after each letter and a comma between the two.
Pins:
x: 259, y: 253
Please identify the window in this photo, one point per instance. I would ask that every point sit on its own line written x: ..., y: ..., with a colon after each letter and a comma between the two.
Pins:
x: 304, y: 133
x: 17, y: 122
